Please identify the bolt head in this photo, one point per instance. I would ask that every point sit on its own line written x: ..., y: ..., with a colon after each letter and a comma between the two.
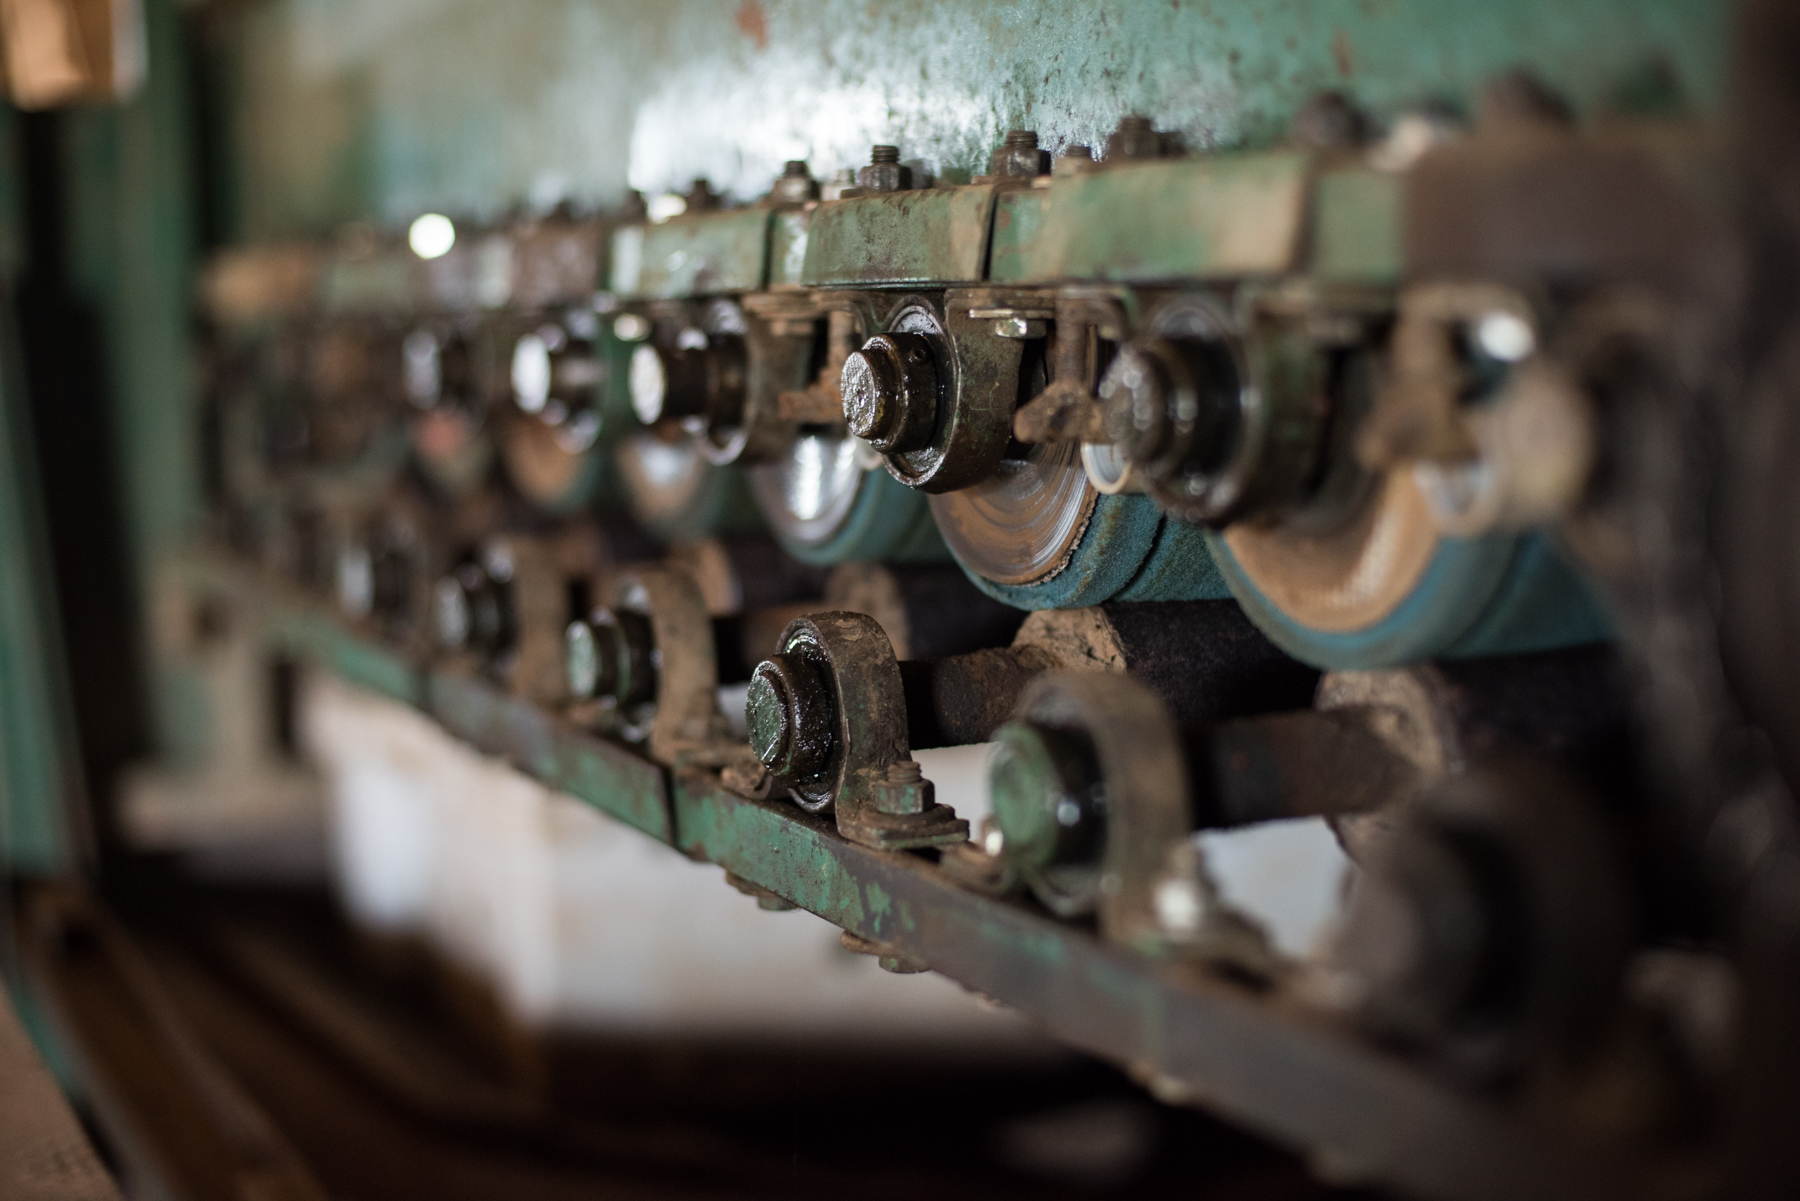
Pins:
x: 1045, y: 784
x: 1135, y: 138
x: 885, y: 177
x: 768, y: 714
x: 789, y: 717
x: 903, y: 793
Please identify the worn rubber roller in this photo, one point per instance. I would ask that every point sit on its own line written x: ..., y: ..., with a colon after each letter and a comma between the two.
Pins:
x: 676, y: 494
x: 1261, y: 435
x: 1026, y: 523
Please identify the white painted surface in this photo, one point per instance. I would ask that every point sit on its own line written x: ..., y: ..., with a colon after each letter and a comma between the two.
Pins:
x: 583, y: 923
x: 1287, y: 875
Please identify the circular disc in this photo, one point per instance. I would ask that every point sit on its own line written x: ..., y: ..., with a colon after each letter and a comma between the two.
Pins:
x: 1022, y: 524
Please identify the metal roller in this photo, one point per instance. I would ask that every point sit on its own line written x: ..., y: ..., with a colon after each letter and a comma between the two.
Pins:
x: 567, y: 378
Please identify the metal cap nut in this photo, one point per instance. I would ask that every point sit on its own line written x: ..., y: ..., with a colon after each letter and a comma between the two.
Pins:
x: 890, y: 392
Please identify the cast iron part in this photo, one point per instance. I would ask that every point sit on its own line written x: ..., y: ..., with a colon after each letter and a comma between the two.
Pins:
x: 1220, y: 430
x: 825, y: 715
x: 1491, y: 929
x: 885, y: 172
x: 1019, y: 156
x: 686, y: 718
x: 890, y: 390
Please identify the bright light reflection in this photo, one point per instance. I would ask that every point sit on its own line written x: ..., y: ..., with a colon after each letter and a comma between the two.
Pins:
x: 431, y: 236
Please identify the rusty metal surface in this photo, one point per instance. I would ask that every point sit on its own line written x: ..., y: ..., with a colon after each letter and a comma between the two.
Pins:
x: 963, y: 699
x: 918, y: 237
x: 1302, y: 764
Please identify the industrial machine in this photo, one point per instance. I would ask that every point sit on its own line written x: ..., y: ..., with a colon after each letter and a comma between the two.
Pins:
x: 1252, y: 539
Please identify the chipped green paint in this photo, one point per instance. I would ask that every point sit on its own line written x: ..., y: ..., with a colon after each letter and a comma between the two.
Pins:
x: 705, y: 254
x: 1018, y: 222
x: 1356, y: 227
x: 880, y: 903
x: 1220, y: 217
x: 922, y: 236
x: 359, y: 661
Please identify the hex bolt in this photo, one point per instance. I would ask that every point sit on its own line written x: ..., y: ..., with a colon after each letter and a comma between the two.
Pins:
x: 890, y: 392
x: 795, y: 184
x: 1135, y: 139
x: 789, y: 717
x: 885, y: 173
x: 1019, y: 156
x: 903, y: 791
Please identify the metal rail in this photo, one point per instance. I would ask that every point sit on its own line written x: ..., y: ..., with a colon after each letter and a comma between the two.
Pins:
x: 1257, y: 1056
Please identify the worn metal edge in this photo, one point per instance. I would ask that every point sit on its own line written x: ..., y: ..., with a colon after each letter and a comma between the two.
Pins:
x: 606, y: 775
x: 1291, y: 1073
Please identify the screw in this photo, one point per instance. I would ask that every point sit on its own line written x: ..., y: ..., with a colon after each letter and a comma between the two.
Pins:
x: 885, y: 172
x: 890, y: 392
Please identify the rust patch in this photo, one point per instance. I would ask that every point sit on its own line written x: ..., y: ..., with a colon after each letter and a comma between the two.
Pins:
x: 1340, y: 50
x: 753, y: 24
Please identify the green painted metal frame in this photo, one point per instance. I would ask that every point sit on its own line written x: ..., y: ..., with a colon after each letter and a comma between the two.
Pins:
x: 1258, y: 1057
